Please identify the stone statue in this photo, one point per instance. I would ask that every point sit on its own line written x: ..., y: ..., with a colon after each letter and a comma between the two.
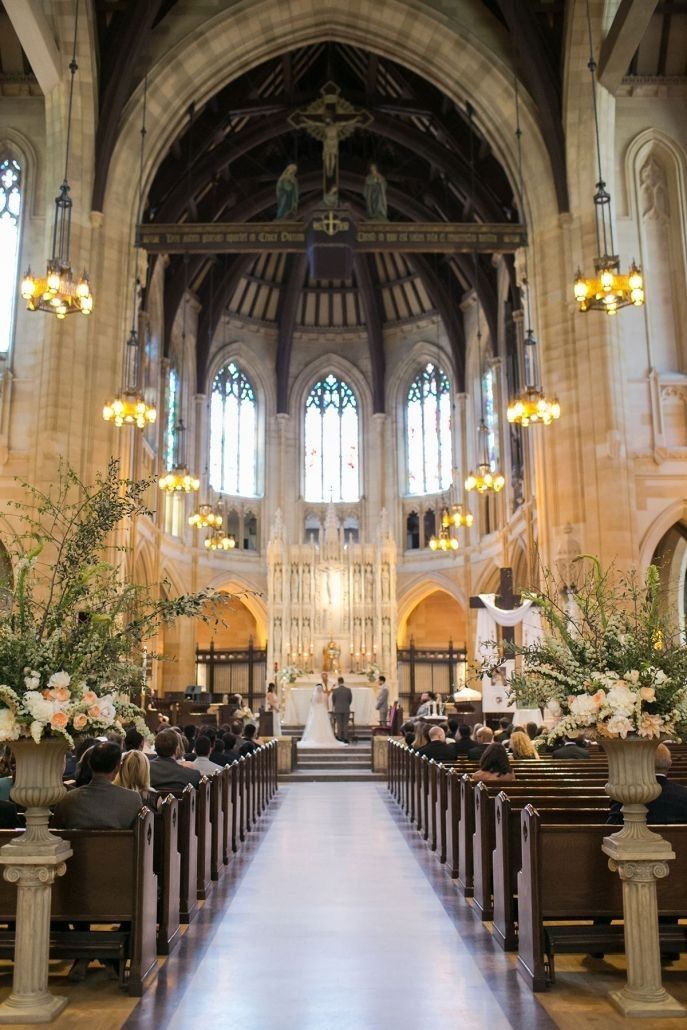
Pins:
x: 287, y: 193
x: 375, y: 196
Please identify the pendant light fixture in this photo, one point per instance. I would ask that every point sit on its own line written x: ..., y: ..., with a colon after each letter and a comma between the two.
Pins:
x: 483, y: 479
x: 608, y: 289
x: 532, y: 406
x: 57, y: 292
x: 130, y: 407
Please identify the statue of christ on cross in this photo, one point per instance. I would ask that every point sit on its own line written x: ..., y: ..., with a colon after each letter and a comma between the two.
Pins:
x: 330, y: 119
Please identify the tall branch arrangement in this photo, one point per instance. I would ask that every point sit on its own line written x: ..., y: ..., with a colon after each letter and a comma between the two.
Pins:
x: 611, y: 661
x: 71, y: 627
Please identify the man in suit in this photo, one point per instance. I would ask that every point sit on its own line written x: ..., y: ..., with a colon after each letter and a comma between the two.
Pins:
x: 571, y: 749
x: 503, y: 732
x: 165, y: 771
x: 671, y: 804
x: 342, y: 699
x: 484, y: 737
x: 382, y: 705
x: 100, y: 805
x: 438, y: 748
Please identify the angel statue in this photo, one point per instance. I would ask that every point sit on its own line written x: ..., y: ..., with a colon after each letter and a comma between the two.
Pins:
x: 287, y: 193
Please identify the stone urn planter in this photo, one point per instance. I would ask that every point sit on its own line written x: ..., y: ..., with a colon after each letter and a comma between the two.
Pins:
x: 33, y: 860
x: 640, y: 857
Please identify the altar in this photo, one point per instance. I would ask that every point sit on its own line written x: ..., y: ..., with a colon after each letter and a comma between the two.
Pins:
x: 299, y: 695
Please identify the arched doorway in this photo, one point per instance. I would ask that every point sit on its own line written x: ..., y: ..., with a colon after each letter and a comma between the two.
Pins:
x: 670, y: 558
x: 435, y: 620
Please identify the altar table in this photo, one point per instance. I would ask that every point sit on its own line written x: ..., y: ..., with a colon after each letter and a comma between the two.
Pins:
x: 363, y: 705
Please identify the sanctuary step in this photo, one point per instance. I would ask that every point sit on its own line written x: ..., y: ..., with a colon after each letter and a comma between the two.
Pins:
x: 342, y: 764
x: 363, y: 733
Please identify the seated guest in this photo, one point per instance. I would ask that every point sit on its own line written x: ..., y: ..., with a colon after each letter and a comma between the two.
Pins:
x: 184, y: 753
x: 521, y: 745
x: 133, y: 740
x: 571, y: 749
x: 407, y: 731
x: 475, y: 729
x: 485, y: 737
x: 82, y: 744
x: 231, y: 747
x: 248, y: 744
x: 504, y: 731
x: 99, y: 805
x: 494, y: 766
x: 134, y: 774
x: 464, y: 742
x: 165, y: 771
x: 421, y: 735
x: 452, y: 728
x: 10, y: 818
x: 671, y: 804
x: 426, y: 702
x: 532, y: 730
x: 83, y: 767
x: 438, y: 747
x: 115, y: 736
x: 217, y: 752
x: 202, y: 761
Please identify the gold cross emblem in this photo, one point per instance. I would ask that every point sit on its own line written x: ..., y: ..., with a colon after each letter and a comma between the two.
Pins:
x: 331, y: 224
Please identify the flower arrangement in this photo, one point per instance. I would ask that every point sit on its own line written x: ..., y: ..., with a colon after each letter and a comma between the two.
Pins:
x: 71, y: 627
x: 289, y: 674
x: 610, y: 661
x: 372, y: 672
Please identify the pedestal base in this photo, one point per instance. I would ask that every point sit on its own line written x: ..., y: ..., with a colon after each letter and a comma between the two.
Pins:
x: 42, y: 1009
x: 665, y: 1007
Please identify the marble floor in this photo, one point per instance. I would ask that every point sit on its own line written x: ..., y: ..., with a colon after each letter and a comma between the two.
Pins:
x: 334, y: 924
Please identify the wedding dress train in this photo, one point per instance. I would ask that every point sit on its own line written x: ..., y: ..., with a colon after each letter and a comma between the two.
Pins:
x: 318, y: 730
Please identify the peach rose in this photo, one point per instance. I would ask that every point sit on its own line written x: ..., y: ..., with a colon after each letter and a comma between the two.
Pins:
x: 94, y: 712
x: 647, y: 694
x: 90, y: 697
x: 599, y: 697
x: 80, y: 722
x: 59, y: 694
x: 59, y: 720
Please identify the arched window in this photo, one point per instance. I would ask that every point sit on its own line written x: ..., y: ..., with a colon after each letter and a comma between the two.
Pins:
x: 428, y: 432
x: 331, y: 442
x: 10, y: 231
x: 491, y: 418
x: 172, y: 417
x: 233, y: 433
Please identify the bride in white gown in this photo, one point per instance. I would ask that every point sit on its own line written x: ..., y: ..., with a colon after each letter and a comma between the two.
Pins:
x: 318, y: 730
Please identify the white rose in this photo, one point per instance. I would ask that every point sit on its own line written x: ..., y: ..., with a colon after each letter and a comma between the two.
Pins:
x: 632, y: 676
x: 554, y: 707
x: 584, y: 707
x: 59, y: 679
x: 622, y: 700
x: 37, y: 731
x: 618, y: 726
x: 9, y: 727
x: 32, y: 681
x: 38, y: 707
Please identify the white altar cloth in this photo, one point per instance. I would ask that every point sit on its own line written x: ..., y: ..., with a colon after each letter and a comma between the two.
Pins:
x: 363, y: 706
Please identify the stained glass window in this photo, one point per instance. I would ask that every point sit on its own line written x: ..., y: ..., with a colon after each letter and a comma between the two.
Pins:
x: 428, y: 432
x: 233, y: 433
x: 331, y: 442
x: 491, y: 418
x: 10, y: 228
x: 172, y: 416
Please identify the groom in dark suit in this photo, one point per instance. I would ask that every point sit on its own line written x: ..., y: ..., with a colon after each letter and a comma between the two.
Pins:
x: 341, y: 706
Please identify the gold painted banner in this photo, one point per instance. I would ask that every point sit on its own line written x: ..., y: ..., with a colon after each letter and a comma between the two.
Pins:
x: 290, y: 237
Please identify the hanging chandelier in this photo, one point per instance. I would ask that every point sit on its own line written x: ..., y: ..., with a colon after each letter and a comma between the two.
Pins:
x: 459, y: 518
x: 219, y: 541
x: 532, y: 406
x: 130, y: 406
x: 484, y: 479
x: 206, y: 517
x: 445, y: 541
x: 178, y: 479
x: 58, y: 292
x: 608, y: 289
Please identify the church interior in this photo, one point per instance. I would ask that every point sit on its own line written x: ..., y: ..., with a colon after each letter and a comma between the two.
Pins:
x: 385, y: 302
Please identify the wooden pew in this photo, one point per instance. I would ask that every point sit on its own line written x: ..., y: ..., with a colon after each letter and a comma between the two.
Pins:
x: 167, y: 866
x: 507, y: 859
x: 188, y: 852
x: 204, y: 833
x: 216, y: 826
x: 228, y: 814
x: 593, y: 891
x: 109, y: 879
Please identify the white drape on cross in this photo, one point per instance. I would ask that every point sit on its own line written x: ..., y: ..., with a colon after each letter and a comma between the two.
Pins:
x: 488, y: 618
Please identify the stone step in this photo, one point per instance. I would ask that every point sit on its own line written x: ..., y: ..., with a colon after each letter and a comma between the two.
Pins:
x: 331, y: 776
x: 333, y: 765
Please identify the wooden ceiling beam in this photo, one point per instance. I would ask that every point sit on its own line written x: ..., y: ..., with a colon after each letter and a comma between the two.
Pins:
x: 374, y: 320
x: 286, y: 326
x: 624, y: 36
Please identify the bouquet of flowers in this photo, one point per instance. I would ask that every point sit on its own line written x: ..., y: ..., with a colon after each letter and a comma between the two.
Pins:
x: 610, y: 661
x: 71, y: 627
x: 289, y: 674
x: 372, y: 672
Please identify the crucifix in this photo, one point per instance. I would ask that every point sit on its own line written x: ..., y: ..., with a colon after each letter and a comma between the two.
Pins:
x: 505, y: 599
x: 330, y: 119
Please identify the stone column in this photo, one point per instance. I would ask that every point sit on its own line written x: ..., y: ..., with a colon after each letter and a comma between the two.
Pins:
x: 30, y: 1000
